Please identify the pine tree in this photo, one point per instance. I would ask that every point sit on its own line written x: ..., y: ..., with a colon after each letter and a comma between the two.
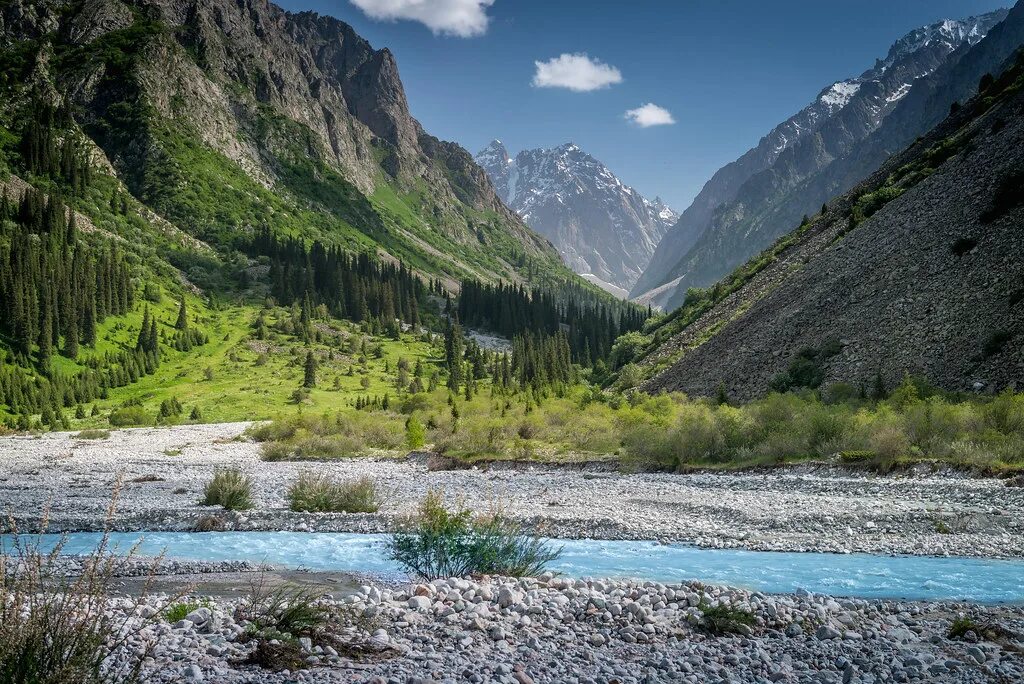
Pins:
x: 309, y: 378
x: 182, y: 322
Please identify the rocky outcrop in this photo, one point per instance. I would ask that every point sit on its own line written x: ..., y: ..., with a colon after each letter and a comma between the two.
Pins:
x: 931, y: 283
x: 604, y: 229
x: 762, y: 195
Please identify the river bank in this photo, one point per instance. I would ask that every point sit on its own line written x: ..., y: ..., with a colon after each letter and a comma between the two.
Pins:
x: 801, y: 508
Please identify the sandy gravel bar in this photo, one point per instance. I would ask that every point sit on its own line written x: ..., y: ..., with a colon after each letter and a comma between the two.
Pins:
x: 809, y: 508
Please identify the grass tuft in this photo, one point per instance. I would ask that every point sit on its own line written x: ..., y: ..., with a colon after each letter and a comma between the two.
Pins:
x: 319, y: 493
x: 229, y: 488
x: 93, y: 434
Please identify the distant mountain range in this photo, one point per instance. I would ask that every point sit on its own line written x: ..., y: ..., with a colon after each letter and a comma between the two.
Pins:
x: 604, y: 229
x: 844, y: 134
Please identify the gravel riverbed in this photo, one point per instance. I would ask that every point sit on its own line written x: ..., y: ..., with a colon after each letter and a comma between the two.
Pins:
x: 796, y: 509
x: 563, y: 630
x: 549, y: 629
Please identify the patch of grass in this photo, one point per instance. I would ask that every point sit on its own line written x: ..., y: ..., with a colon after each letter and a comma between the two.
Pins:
x: 177, y: 611
x: 319, y: 493
x: 443, y: 542
x: 229, y: 488
x: 93, y: 434
x: 985, y: 631
x: 722, y: 619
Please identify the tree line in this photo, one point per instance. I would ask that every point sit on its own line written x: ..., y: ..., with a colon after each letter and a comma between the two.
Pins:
x: 357, y: 287
x: 54, y: 287
x: 589, y: 324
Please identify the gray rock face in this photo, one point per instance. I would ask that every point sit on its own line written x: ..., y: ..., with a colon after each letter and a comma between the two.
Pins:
x: 796, y: 167
x: 603, y: 228
x: 926, y: 285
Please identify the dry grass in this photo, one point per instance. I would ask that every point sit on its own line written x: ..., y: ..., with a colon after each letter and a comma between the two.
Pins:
x: 57, y: 628
x: 319, y: 493
x: 231, y: 489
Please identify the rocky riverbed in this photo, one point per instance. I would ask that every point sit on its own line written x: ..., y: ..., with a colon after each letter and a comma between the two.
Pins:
x: 808, y: 508
x: 549, y: 629
x: 563, y: 630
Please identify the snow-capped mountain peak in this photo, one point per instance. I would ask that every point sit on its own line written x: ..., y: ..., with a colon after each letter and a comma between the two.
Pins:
x: 601, y: 226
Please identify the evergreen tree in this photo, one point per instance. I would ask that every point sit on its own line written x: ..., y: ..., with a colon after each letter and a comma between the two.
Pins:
x: 309, y: 378
x: 182, y: 322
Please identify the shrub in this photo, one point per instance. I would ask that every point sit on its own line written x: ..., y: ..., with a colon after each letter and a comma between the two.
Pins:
x: 451, y: 543
x: 209, y: 523
x: 319, y: 493
x: 93, y: 434
x: 1009, y: 195
x: 723, y: 619
x: 962, y: 246
x: 229, y: 488
x: 55, y: 627
x: 129, y: 415
x: 276, y: 451
x: 415, y: 435
x: 995, y: 343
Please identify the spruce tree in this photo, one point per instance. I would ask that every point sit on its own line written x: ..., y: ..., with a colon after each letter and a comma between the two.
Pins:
x: 309, y: 378
x: 182, y: 322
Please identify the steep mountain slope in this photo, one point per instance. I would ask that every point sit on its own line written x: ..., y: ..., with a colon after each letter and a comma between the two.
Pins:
x: 919, y: 269
x: 753, y: 200
x: 227, y: 116
x: 603, y: 228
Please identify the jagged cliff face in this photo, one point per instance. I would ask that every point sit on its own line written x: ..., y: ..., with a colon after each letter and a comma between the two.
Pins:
x: 918, y: 269
x: 299, y: 103
x: 604, y: 229
x: 750, y: 202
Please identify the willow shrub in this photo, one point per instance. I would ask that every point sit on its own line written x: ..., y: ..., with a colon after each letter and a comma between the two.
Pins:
x: 442, y: 542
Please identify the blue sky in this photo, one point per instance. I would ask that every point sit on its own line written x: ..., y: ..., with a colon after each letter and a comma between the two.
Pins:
x: 726, y: 70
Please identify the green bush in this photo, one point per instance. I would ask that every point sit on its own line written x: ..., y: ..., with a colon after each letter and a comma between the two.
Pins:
x: 723, y: 619
x: 319, y: 493
x: 441, y: 542
x: 93, y: 434
x: 229, y: 488
x: 56, y: 628
x: 128, y: 416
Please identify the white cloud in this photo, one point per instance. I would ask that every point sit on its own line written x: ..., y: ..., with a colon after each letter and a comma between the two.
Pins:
x: 650, y: 114
x: 462, y: 18
x: 576, y: 72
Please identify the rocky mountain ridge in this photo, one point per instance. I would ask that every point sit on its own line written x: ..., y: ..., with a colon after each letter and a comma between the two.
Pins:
x: 296, y: 105
x: 917, y: 269
x: 604, y: 229
x: 750, y: 202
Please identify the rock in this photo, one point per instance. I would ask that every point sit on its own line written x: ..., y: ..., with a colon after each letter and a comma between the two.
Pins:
x: 825, y: 633
x: 419, y: 603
